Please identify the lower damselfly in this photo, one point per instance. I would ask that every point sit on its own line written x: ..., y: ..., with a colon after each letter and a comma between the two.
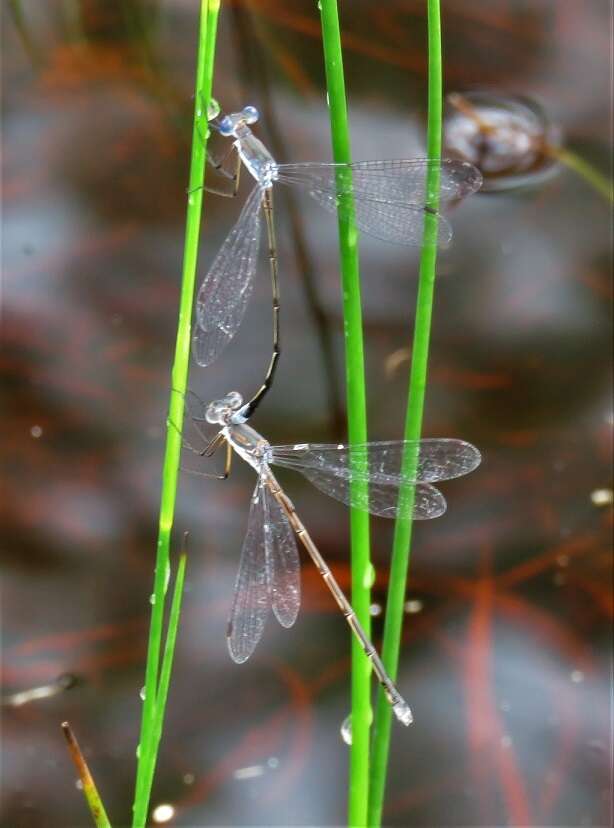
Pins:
x: 269, y: 569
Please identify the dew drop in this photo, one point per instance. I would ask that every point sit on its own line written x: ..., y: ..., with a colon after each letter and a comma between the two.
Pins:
x: 142, y: 693
x: 577, y: 676
x: 79, y: 785
x: 36, y: 431
x: 413, y: 606
x: 375, y: 610
x: 167, y: 576
x: 152, y: 599
x: 138, y: 752
x: 163, y: 813
x: 369, y: 576
x: 213, y: 109
x: 346, y: 729
x: 506, y: 741
x: 602, y: 497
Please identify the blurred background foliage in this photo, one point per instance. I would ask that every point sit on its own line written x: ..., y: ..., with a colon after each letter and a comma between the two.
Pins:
x: 506, y: 658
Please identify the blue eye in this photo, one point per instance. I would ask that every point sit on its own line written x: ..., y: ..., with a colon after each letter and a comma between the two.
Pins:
x: 225, y: 126
x: 251, y: 114
x: 234, y: 399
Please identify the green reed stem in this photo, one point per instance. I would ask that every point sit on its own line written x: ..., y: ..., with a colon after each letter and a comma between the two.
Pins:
x: 167, y: 664
x: 153, y: 706
x: 413, y: 422
x: 593, y: 177
x: 357, y: 411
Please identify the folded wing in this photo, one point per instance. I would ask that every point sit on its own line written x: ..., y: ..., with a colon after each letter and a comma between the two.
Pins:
x: 283, y: 562
x: 223, y: 296
x: 252, y: 595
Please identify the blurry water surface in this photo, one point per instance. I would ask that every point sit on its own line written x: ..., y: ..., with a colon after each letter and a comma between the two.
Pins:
x: 506, y: 655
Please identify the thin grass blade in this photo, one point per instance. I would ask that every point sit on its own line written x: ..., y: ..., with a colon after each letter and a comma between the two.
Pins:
x: 413, y: 424
x: 357, y: 409
x: 148, y: 745
x: 92, y: 797
x: 167, y: 664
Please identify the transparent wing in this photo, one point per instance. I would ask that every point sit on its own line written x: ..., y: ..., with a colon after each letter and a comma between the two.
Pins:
x: 332, y: 468
x: 283, y: 561
x: 252, y: 597
x: 389, y: 196
x: 225, y: 291
x: 396, y: 180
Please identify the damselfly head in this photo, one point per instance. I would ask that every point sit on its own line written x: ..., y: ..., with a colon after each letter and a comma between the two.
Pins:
x: 250, y: 114
x: 228, y: 125
x: 222, y: 411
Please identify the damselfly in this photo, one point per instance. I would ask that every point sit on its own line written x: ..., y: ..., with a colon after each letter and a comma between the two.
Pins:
x: 387, y: 199
x: 269, y: 570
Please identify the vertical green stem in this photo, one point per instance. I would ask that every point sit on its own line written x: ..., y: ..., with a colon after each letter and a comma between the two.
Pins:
x: 149, y: 742
x: 413, y: 420
x: 357, y: 413
x: 165, y: 672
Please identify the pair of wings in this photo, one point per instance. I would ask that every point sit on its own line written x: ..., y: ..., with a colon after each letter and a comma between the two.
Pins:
x: 373, y: 476
x: 269, y: 571
x: 268, y: 576
x: 388, y: 202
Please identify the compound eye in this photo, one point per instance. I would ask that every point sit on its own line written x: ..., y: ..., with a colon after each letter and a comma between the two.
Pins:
x: 234, y: 400
x: 225, y: 126
x: 250, y: 114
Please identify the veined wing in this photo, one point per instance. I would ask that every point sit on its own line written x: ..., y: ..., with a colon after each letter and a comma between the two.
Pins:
x: 332, y: 469
x: 397, y: 180
x: 283, y: 563
x: 252, y: 595
x: 225, y: 291
x: 389, y: 196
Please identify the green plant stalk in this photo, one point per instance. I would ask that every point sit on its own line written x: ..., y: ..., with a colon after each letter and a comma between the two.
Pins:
x: 357, y: 414
x: 148, y: 746
x: 90, y: 791
x: 413, y: 422
x: 593, y: 177
x: 165, y: 673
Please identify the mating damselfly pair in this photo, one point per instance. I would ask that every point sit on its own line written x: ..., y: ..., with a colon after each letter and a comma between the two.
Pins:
x: 390, y: 200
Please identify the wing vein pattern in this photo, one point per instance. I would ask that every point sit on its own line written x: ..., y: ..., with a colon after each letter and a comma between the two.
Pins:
x: 329, y: 468
x: 225, y: 291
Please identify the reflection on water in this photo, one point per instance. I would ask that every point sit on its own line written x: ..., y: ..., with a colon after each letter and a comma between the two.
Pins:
x: 508, y: 625
x: 508, y: 138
